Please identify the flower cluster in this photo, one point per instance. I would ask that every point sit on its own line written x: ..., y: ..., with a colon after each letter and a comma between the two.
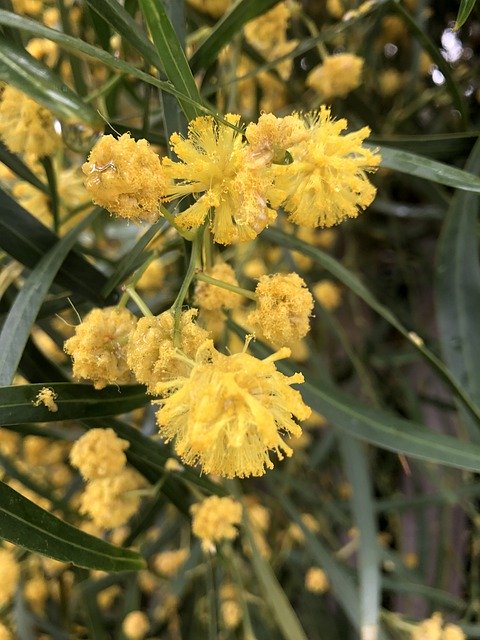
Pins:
x: 214, y: 520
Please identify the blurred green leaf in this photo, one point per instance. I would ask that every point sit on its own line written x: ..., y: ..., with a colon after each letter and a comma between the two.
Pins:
x: 443, y: 146
x: 225, y: 29
x: 170, y: 52
x: 27, y: 240
x: 458, y: 290
x: 23, y: 71
x: 75, y: 401
x: 465, y: 9
x: 15, y: 164
x: 25, y: 524
x: 428, y: 169
x: 21, y: 317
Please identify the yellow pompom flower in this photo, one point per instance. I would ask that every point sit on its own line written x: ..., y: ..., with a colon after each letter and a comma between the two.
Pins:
x: 43, y: 49
x: 98, y: 346
x: 209, y: 297
x: 430, y: 629
x: 5, y: 633
x: 215, y: 8
x: 214, y: 520
x: 111, y: 502
x: 231, y: 412
x: 336, y: 76
x: 316, y: 581
x: 327, y: 182
x: 25, y: 126
x: 167, y: 563
x: 135, y: 625
x: 151, y: 354
x: 270, y: 137
x: 231, y: 187
x: 453, y: 632
x: 125, y: 176
x: 328, y: 294
x: 9, y: 575
x: 99, y: 453
x: 283, y: 308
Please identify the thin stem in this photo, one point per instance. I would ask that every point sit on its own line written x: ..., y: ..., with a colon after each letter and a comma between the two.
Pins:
x: 225, y: 285
x: 182, y: 294
x: 247, y: 622
x: 130, y: 292
x: 171, y: 219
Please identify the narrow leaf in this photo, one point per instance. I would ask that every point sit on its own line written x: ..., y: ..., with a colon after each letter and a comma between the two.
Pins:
x: 25, y: 524
x: 15, y: 164
x: 22, y: 315
x: 465, y: 9
x: 23, y: 71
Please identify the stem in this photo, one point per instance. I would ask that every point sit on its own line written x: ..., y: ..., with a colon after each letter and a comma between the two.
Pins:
x: 130, y: 292
x: 225, y: 285
x: 171, y: 219
x: 247, y: 622
x: 182, y: 294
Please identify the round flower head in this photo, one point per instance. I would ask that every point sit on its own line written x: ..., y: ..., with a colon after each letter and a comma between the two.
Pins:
x: 99, y: 453
x: 215, y: 8
x: 25, y: 126
x: 327, y: 181
x: 316, y: 580
x: 337, y: 76
x: 111, y: 502
x: 270, y: 137
x: 168, y: 563
x: 151, y: 354
x: 135, y: 625
x: 328, y: 294
x: 229, y: 185
x: 231, y: 411
x: 98, y: 346
x: 209, y: 297
x: 9, y: 575
x: 283, y: 308
x: 214, y: 519
x: 125, y: 177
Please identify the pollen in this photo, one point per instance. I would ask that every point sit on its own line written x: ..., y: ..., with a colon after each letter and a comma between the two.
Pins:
x: 98, y: 348
x: 125, y: 176
x: 46, y: 397
x: 283, y: 308
x: 214, y: 520
x: 99, y: 453
x: 231, y: 412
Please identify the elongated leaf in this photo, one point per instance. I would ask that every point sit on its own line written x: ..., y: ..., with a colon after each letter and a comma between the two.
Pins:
x: 75, y: 401
x: 19, y: 68
x: 352, y: 282
x: 422, y: 167
x: 465, y: 9
x: 458, y: 290
x: 27, y: 525
x: 386, y: 431
x: 27, y: 240
x: 231, y: 23
x: 20, y: 169
x: 442, y: 146
x: 171, y: 54
x: 369, y: 572
x: 22, y: 315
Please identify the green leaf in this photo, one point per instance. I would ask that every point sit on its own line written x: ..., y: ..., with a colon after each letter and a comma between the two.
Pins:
x: 20, y: 169
x: 25, y: 524
x: 428, y: 169
x: 174, y: 62
x: 465, y: 9
x: 23, y: 71
x: 225, y: 29
x: 27, y: 240
x: 75, y: 401
x: 15, y: 331
x: 442, y: 146
x: 458, y: 290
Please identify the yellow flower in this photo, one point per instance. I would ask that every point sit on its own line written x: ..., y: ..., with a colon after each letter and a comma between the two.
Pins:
x: 98, y: 348
x: 99, y: 453
x: 135, y: 625
x: 231, y: 411
x: 270, y: 137
x: 152, y: 278
x: 430, y: 629
x: 36, y: 593
x: 110, y: 502
x: 125, y: 177
x: 283, y: 308
x: 168, y: 563
x: 336, y: 76
x: 230, y: 186
x: 151, y: 354
x: 453, y: 632
x: 43, y: 49
x: 327, y: 181
x: 209, y: 297
x: 215, y: 8
x: 316, y: 580
x: 26, y: 126
x: 328, y: 294
x: 214, y: 519
x: 46, y: 397
x: 9, y: 575
x: 5, y: 633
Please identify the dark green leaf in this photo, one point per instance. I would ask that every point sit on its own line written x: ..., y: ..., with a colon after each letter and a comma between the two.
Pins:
x: 20, y: 69
x: 25, y: 524
x: 442, y: 146
x: 20, y: 169
x: 75, y: 401
x: 174, y: 62
x: 26, y: 239
x: 465, y: 9
x: 225, y: 29
x: 18, y: 324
